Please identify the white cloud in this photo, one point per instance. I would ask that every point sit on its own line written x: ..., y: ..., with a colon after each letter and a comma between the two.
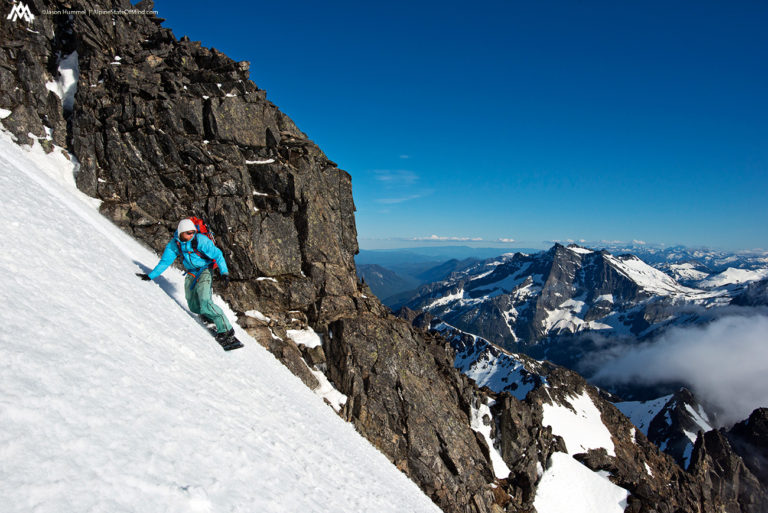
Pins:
x: 392, y: 201
x: 439, y: 238
x: 725, y: 363
x: 506, y: 241
x: 396, y: 177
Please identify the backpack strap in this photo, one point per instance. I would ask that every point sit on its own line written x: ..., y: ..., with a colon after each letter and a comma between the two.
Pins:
x: 211, y: 262
x: 198, y: 251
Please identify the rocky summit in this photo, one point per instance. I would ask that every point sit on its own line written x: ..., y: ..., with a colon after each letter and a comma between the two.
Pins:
x: 163, y: 128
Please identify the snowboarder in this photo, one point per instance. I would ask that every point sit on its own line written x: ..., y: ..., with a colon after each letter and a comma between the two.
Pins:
x: 199, y: 255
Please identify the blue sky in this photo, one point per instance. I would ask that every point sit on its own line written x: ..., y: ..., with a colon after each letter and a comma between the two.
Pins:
x: 528, y: 121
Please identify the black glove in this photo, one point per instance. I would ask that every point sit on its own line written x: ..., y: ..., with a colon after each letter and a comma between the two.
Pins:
x: 225, y: 280
x: 144, y: 276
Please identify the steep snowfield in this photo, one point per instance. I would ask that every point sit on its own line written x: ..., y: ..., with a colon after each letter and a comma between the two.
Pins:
x: 569, y: 486
x: 650, y: 279
x: 115, y: 399
x: 580, y: 425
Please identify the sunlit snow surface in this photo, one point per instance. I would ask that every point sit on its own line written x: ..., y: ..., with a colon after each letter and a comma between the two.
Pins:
x: 567, y: 486
x: 65, y: 86
x: 478, y: 417
x: 114, y: 398
x: 580, y: 250
x: 582, y: 427
x: 686, y: 271
x: 649, y: 278
x: 306, y: 337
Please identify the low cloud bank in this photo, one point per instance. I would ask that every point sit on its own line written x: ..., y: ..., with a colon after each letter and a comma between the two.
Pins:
x: 725, y: 363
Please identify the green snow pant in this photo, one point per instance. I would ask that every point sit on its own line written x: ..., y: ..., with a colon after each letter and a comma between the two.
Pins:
x: 199, y: 300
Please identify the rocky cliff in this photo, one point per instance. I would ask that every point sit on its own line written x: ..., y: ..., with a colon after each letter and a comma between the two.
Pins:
x: 164, y: 128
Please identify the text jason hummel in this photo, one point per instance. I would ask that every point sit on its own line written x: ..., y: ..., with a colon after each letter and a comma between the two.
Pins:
x: 98, y: 12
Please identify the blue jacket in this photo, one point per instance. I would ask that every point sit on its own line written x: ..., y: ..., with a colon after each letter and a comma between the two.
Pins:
x: 191, y: 260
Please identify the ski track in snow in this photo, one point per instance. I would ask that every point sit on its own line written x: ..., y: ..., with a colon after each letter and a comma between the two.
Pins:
x: 116, y: 399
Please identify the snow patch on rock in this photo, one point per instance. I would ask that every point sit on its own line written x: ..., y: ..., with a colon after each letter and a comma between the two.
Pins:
x: 306, y: 337
x: 478, y: 422
x: 569, y: 486
x: 581, y: 427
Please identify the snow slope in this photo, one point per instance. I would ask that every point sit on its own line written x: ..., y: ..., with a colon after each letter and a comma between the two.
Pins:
x: 580, y: 425
x: 115, y: 399
x: 647, y: 277
x: 568, y: 486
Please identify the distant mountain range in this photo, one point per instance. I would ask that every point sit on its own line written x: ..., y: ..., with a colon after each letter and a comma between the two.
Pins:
x: 553, y: 304
x: 398, y: 281
x: 385, y: 282
x: 713, y: 260
x: 409, y: 268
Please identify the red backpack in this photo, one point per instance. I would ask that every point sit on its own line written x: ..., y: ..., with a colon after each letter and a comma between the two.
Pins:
x: 202, y: 228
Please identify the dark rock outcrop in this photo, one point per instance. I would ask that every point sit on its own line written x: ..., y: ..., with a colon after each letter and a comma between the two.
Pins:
x: 756, y: 294
x: 723, y: 473
x: 668, y: 429
x: 421, y: 320
x: 394, y: 378
x: 749, y: 439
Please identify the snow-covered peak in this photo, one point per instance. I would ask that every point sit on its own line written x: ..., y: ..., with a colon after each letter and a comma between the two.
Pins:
x: 672, y: 422
x: 733, y: 276
x: 686, y: 272
x: 579, y: 250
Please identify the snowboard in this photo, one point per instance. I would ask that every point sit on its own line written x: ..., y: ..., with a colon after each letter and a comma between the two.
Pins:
x: 211, y: 327
x: 233, y: 344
